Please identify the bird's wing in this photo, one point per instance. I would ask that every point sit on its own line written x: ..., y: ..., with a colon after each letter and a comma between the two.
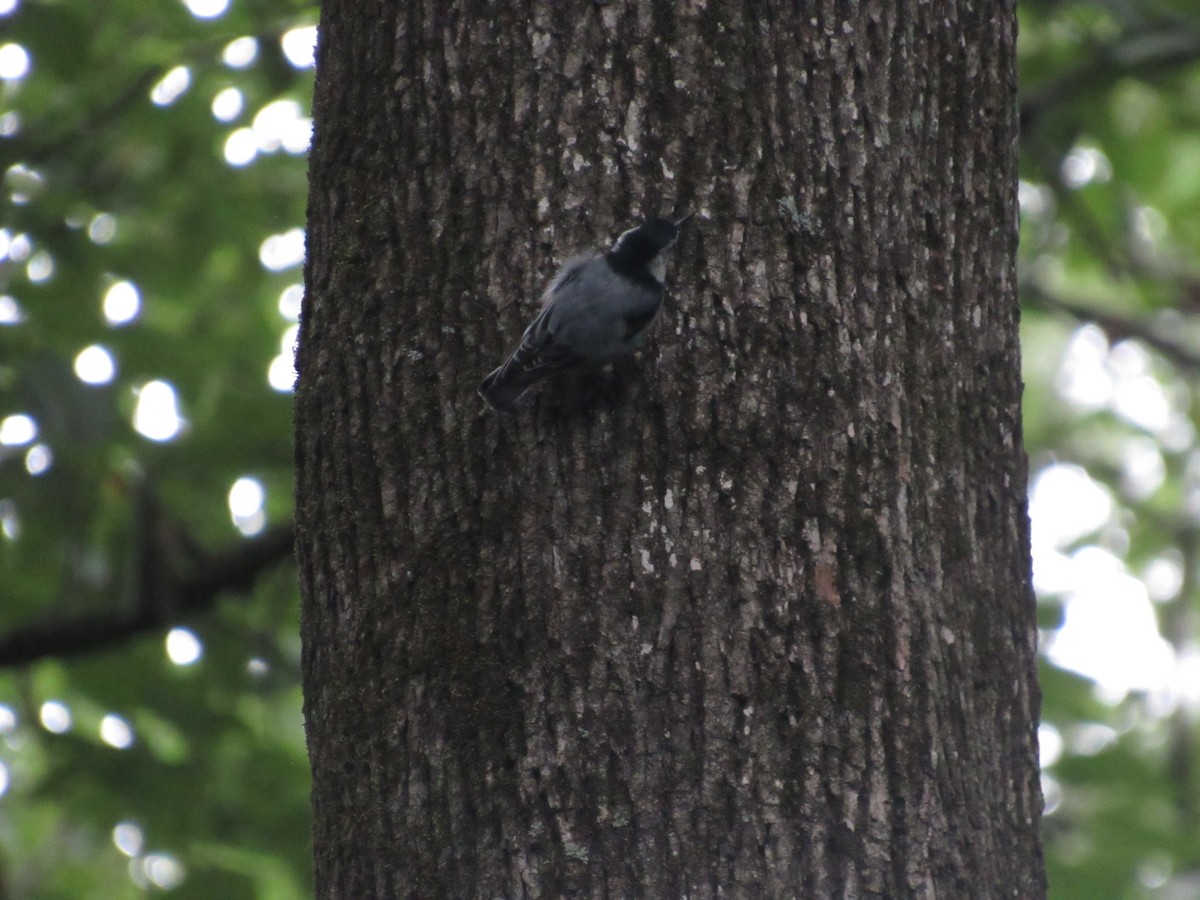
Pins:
x: 538, y: 354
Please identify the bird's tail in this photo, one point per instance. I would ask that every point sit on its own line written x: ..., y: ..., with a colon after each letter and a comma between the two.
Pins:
x: 500, y: 392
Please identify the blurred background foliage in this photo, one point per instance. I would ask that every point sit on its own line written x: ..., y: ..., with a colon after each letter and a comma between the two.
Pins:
x: 150, y: 248
x: 1110, y: 287
x: 151, y: 238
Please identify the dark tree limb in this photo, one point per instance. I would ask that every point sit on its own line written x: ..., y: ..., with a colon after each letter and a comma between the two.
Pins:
x: 1137, y: 55
x: 77, y: 133
x: 1118, y: 327
x: 233, y: 570
x: 82, y: 131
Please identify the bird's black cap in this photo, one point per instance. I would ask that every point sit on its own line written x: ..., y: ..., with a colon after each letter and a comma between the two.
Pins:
x: 639, y: 246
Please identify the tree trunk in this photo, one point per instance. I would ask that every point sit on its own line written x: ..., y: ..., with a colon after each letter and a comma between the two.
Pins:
x: 750, y: 616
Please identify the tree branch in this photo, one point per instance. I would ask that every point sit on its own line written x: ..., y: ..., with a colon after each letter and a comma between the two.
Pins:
x: 1138, y: 55
x: 232, y: 571
x: 1118, y: 327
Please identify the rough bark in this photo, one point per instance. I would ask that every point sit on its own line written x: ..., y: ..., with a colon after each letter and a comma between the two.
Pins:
x: 751, y: 616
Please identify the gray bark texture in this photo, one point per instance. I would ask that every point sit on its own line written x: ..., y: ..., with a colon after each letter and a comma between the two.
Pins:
x: 750, y: 616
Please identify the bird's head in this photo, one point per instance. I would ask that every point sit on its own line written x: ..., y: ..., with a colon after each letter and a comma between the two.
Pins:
x: 645, y: 246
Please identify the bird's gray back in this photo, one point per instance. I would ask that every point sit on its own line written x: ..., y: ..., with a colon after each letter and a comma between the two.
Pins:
x: 595, y: 310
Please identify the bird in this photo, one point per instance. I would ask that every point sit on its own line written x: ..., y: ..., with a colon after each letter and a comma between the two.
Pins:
x: 597, y: 309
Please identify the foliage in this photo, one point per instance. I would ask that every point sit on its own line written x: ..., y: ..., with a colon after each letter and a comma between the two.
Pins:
x: 104, y: 186
x: 1110, y: 280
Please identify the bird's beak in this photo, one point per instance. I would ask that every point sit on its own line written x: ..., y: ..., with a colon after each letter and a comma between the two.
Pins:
x: 679, y: 222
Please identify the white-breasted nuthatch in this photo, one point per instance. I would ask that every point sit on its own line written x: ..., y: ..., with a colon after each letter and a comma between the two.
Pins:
x: 598, y: 308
